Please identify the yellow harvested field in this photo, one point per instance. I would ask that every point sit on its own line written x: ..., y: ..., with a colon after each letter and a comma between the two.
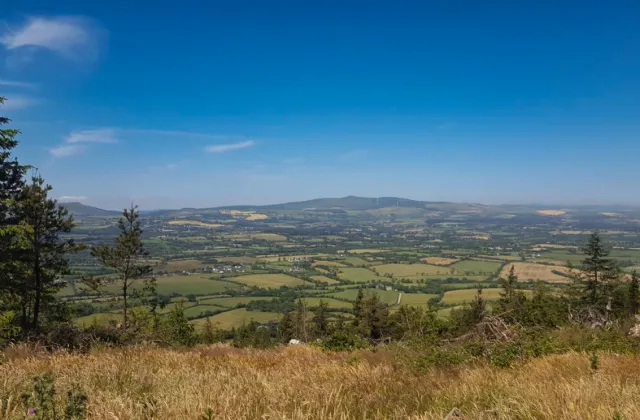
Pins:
x: 410, y: 271
x: 269, y: 281
x: 248, y: 215
x: 531, y: 271
x: 556, y: 246
x: 194, y: 223
x: 237, y: 317
x: 454, y: 297
x: 367, y: 251
x: 177, y: 265
x: 257, y: 216
x: 551, y: 212
x: 439, y: 260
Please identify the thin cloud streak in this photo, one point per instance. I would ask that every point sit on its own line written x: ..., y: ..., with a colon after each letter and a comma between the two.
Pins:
x: 105, y: 135
x: 14, y: 83
x: 67, y: 150
x: 229, y: 147
x: 73, y: 37
x: 19, y: 102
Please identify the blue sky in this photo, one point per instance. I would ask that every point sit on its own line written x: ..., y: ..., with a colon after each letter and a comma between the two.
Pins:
x: 248, y: 102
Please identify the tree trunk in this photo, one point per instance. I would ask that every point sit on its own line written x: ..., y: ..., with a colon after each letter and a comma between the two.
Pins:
x: 124, y: 293
x: 36, y: 304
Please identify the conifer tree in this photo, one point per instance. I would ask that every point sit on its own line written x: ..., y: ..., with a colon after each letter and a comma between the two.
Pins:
x: 42, y: 253
x: 127, y: 257
x: 321, y: 319
x: 597, y: 273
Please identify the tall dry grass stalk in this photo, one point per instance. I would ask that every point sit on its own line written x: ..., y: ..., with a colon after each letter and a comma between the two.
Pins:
x: 305, y: 383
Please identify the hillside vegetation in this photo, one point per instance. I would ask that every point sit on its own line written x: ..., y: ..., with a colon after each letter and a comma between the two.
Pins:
x: 305, y: 383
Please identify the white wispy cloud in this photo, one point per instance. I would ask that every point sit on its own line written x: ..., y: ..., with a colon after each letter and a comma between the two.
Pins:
x: 178, y: 133
x: 18, y: 102
x: 67, y: 150
x: 72, y: 198
x: 77, y: 141
x: 104, y: 135
x: 73, y: 37
x: 14, y: 83
x: 228, y: 147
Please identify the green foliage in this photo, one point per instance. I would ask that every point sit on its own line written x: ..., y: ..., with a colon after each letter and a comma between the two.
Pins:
x: 320, y: 319
x: 41, y: 254
x: 40, y: 400
x: 176, y: 329
x: 76, y: 408
x: 208, y: 415
x: 597, y: 274
x: 127, y: 258
x: 343, y: 340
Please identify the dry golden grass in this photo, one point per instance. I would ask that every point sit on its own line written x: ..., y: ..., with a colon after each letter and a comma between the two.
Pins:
x: 532, y: 271
x: 551, y: 212
x: 302, y: 383
x: 439, y: 260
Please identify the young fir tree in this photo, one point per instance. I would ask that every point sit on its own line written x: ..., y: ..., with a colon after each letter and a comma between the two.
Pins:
x: 43, y: 253
x: 286, y: 327
x: 127, y: 257
x: 478, y: 308
x: 300, y: 321
x: 321, y: 319
x: 633, y: 295
x: 512, y: 301
x: 357, y: 308
x: 597, y: 273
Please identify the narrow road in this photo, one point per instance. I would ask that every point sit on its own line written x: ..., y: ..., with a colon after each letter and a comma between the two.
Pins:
x: 399, y: 298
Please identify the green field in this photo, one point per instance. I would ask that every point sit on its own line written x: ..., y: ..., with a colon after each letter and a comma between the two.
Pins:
x: 416, y: 299
x: 232, y: 302
x: 477, y: 267
x: 325, y: 279
x: 237, y: 317
x: 199, y: 309
x: 360, y: 275
x: 184, y: 285
x: 333, y: 303
x: 411, y: 271
x: 356, y: 261
x: 390, y: 297
x: 270, y: 281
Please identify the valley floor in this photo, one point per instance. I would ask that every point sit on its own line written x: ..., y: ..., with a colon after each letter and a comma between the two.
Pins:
x: 305, y: 383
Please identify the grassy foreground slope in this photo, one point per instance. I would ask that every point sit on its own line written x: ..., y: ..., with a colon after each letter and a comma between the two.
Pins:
x: 305, y: 383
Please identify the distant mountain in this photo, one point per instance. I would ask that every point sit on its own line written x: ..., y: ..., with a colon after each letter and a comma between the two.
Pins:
x: 368, y: 203
x: 79, y: 209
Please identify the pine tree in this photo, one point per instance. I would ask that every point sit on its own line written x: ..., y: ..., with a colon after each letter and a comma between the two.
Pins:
x: 357, y: 308
x: 478, y: 308
x: 42, y: 253
x: 301, y: 329
x: 509, y: 287
x: 286, y: 327
x: 127, y: 257
x: 11, y: 182
x: 321, y: 319
x: 597, y: 272
x: 633, y: 295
